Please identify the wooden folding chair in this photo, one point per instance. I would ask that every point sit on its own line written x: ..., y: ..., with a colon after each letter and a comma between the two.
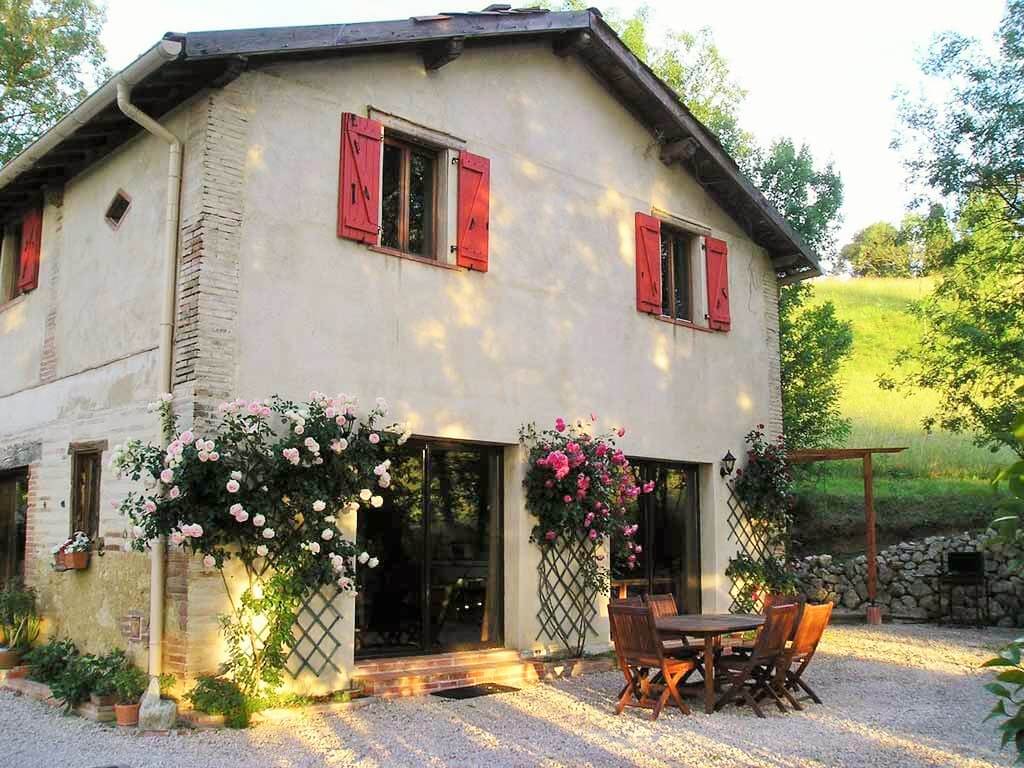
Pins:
x: 752, y: 678
x: 678, y: 648
x: 794, y: 661
x: 742, y: 645
x: 639, y: 651
x: 634, y: 600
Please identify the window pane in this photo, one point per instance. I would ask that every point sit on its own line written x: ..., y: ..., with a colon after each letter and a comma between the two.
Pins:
x: 681, y: 256
x: 391, y: 191
x: 421, y: 204
x: 666, y: 272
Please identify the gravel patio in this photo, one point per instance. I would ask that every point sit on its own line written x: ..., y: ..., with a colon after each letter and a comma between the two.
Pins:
x: 901, y: 695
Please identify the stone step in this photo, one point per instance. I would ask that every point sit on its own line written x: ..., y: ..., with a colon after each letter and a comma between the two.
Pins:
x: 503, y: 668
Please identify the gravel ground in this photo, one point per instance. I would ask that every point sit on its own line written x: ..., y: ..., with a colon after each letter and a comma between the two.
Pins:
x: 895, y: 696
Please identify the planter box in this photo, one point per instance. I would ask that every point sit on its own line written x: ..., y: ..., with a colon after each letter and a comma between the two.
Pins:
x: 32, y: 689
x: 9, y: 659
x: 102, y: 701
x: 74, y: 561
x: 98, y: 714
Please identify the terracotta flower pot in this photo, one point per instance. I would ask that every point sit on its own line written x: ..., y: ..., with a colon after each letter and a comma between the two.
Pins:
x: 9, y: 658
x: 76, y: 561
x: 127, y: 714
x: 58, y: 559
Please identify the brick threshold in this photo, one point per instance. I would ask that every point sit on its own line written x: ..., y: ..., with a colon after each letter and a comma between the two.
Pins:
x: 421, y: 675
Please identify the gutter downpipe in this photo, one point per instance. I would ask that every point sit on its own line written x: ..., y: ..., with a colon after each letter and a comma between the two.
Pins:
x: 158, y: 547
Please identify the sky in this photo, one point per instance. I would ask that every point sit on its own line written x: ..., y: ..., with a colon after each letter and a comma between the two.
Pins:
x: 822, y: 73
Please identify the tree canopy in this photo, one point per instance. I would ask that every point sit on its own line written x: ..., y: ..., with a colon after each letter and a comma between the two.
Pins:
x: 47, y: 47
x: 970, y: 149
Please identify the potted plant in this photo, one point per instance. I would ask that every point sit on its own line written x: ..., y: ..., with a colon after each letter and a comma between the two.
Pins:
x: 104, y: 670
x: 129, y: 685
x: 19, y: 624
x: 73, y: 554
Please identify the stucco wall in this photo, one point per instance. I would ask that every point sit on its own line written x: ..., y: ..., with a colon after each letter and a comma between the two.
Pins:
x: 551, y: 329
x: 79, y: 364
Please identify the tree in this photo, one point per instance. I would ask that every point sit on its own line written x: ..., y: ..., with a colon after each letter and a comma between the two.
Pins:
x: 878, y: 250
x: 45, y: 47
x: 929, y: 239
x: 970, y: 149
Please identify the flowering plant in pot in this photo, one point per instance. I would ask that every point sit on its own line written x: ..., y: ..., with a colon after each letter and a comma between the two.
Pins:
x: 579, y: 484
x: 19, y: 623
x: 73, y: 554
x: 129, y: 684
x: 268, y: 488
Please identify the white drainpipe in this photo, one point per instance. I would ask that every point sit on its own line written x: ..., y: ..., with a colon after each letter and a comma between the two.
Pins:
x: 170, y: 260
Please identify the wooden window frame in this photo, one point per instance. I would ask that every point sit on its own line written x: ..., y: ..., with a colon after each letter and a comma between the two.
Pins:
x: 673, y: 234
x: 404, y: 182
x: 91, y: 525
x: 10, y: 262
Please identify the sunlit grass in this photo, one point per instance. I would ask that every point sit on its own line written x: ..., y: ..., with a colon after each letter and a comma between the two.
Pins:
x: 879, y: 309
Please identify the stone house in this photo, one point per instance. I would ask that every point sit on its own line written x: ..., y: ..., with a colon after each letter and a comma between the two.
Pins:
x: 488, y: 218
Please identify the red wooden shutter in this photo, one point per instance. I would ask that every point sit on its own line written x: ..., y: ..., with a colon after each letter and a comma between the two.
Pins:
x: 359, y: 179
x: 474, y: 211
x: 648, y: 264
x: 31, y: 242
x: 717, y: 260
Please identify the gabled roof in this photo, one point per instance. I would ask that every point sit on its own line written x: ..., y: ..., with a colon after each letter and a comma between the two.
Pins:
x: 181, y: 65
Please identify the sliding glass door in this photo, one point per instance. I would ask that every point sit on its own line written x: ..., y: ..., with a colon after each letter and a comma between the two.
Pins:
x: 438, y: 537
x: 669, y: 536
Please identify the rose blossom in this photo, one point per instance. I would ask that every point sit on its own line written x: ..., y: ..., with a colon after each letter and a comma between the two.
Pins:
x: 319, y: 506
x: 187, y: 437
x: 363, y: 557
x: 550, y: 535
x: 374, y: 438
x: 373, y: 562
x: 258, y: 520
x: 149, y: 506
x: 262, y: 550
x: 214, y: 456
x: 314, y: 547
x: 365, y: 494
x: 377, y: 502
x: 327, y: 534
x: 175, y: 492
x: 560, y: 424
x: 232, y: 486
x: 209, y: 561
x: 167, y: 476
x: 268, y: 533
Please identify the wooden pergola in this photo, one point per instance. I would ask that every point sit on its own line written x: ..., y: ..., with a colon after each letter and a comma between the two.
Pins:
x: 864, y: 454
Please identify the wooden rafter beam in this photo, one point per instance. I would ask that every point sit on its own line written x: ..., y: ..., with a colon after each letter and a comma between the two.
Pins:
x: 571, y: 43
x: 436, y: 55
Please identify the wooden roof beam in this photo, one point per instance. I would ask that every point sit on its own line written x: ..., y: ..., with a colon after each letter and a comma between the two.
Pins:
x: 436, y: 55
x: 571, y: 43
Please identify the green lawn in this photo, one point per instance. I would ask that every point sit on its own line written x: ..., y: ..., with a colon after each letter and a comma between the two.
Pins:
x: 940, y: 484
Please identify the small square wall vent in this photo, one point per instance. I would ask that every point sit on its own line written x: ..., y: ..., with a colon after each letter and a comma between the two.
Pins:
x: 118, y: 208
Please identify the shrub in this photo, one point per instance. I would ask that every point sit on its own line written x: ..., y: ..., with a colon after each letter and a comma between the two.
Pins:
x: 19, y: 622
x: 48, y: 661
x: 74, y: 684
x: 103, y: 670
x: 129, y: 684
x: 220, y: 696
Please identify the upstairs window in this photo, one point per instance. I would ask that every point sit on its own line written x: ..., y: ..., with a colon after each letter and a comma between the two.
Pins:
x: 677, y: 272
x: 409, y: 198
x: 117, y: 209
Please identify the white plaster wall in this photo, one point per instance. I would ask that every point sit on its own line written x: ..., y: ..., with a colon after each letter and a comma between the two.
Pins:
x: 550, y: 330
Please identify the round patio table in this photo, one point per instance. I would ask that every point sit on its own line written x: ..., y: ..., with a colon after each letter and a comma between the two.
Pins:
x: 710, y: 627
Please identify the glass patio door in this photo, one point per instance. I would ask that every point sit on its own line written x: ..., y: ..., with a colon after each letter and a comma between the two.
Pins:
x: 13, y: 510
x: 669, y: 534
x: 438, y: 537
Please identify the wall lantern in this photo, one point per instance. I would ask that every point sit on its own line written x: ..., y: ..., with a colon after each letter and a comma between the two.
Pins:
x: 728, y: 464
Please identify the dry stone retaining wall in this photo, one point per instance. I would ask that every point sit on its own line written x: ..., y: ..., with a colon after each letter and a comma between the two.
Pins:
x: 908, y: 578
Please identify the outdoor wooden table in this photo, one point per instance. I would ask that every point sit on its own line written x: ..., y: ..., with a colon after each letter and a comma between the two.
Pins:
x: 710, y: 627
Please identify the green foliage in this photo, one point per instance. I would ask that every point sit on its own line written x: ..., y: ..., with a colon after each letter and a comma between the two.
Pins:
x: 877, y: 251
x: 764, y: 485
x: 972, y: 143
x: 808, y: 196
x: 772, y: 576
x: 45, y: 49
x: 814, y: 344
x: 971, y: 351
x: 129, y: 683
x: 929, y: 238
x: 102, y: 671
x: 74, y: 683
x: 47, y: 662
x: 221, y: 696
x: 19, y: 621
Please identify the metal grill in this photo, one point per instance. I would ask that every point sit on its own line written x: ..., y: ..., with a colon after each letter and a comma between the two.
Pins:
x: 567, y: 609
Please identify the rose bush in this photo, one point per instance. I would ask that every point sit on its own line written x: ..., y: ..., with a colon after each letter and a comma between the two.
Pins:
x: 765, y: 485
x: 268, y: 486
x: 580, y: 485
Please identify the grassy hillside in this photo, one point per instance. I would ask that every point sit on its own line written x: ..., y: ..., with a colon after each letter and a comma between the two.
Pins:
x: 882, y: 325
x: 939, y: 484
